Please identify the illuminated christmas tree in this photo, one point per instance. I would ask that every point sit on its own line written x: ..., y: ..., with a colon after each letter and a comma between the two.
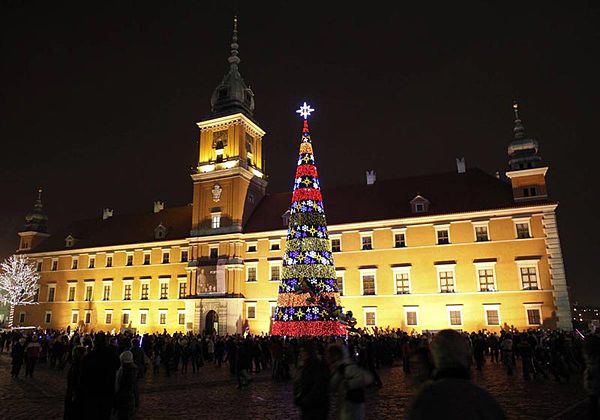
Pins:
x: 308, y: 302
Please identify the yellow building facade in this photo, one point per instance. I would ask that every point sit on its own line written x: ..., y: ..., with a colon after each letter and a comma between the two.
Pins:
x: 462, y: 250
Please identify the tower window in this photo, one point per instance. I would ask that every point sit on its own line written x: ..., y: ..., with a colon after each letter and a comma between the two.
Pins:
x: 214, y: 252
x: 215, y: 221
x: 222, y: 92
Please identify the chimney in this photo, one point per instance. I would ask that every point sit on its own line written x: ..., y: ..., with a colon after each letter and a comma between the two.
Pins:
x: 461, y: 166
x: 158, y: 206
x: 371, y: 177
x: 106, y: 213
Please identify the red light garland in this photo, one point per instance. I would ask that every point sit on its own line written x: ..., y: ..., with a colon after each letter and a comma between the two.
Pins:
x: 307, y: 194
x: 312, y: 328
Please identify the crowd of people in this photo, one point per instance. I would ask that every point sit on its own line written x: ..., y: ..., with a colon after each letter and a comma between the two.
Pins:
x: 104, y: 370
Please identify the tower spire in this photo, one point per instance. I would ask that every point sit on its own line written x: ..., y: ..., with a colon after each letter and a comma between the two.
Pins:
x: 232, y: 95
x: 36, y: 220
x: 519, y: 130
x: 233, y: 59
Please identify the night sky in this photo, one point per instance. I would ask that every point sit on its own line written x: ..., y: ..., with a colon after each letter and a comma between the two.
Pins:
x: 99, y: 101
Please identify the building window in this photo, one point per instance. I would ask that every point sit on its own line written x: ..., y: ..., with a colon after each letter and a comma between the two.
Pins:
x: 48, y: 317
x: 251, y: 248
x: 146, y: 258
x: 74, y: 263
x: 399, y: 240
x: 481, y: 233
x: 184, y: 256
x: 529, y: 278
x: 74, y: 317
x: 251, y: 273
x: 275, y: 272
x: 486, y: 279
x: 71, y: 294
x: 443, y: 236
x: 145, y: 291
x: 522, y: 228
x: 213, y: 252
x: 366, y: 242
x: 492, y: 314
x: 109, y: 260
x: 106, y: 292
x: 143, y: 317
x: 181, y: 317
x: 54, y: 265
x: 129, y: 259
x: 89, y: 290
x: 182, y: 289
x: 275, y: 245
x: 108, y: 317
x: 419, y: 208
x: 370, y: 316
x: 215, y: 221
x: 165, y: 257
x: 162, y: 317
x: 455, y: 315
x: 250, y: 310
x: 336, y: 245
x: 402, y: 282
x: 21, y: 317
x: 368, y: 283
x: 92, y: 262
x: 125, y: 318
x: 446, y: 281
x: 164, y: 290
x: 39, y: 266
x: 529, y: 192
x: 411, y: 316
x: 88, y: 316
x: 127, y: 291
x: 339, y: 282
x: 51, y: 293
x: 533, y: 312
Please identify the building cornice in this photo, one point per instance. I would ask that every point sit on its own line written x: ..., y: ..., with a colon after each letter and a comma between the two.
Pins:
x: 226, y: 121
x: 527, y: 172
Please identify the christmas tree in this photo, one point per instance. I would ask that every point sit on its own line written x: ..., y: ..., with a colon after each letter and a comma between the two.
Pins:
x: 308, y: 302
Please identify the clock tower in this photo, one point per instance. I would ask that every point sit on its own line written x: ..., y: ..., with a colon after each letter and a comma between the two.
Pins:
x: 229, y: 181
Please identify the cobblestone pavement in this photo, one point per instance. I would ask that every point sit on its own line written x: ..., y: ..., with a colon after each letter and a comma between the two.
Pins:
x: 211, y: 394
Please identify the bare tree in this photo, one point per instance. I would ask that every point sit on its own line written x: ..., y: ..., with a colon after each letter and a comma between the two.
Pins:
x: 19, y: 282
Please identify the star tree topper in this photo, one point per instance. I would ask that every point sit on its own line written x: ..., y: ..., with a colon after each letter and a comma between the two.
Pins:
x: 305, y: 111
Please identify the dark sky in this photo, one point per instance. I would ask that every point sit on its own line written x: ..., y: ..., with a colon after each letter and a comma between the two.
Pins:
x: 99, y: 100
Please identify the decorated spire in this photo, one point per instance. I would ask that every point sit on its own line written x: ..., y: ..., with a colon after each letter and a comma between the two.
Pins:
x: 309, y: 301
x: 233, y: 59
x: 232, y: 95
x: 519, y: 130
x: 36, y: 220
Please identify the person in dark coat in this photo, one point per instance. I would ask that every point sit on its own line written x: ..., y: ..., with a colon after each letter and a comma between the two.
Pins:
x: 18, y: 354
x: 311, y: 388
x: 74, y: 394
x: 98, y: 379
x: 452, y: 395
x: 126, y: 387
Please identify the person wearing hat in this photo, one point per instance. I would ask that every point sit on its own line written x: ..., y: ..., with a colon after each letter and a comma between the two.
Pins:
x: 126, y: 387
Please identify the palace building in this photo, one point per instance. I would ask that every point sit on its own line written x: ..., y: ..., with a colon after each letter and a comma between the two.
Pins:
x: 464, y: 249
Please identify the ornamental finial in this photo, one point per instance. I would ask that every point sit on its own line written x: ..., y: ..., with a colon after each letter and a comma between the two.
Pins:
x: 305, y: 111
x: 233, y: 59
x: 516, y: 109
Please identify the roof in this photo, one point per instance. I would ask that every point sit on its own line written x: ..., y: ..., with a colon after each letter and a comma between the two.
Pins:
x: 121, y: 229
x: 447, y: 193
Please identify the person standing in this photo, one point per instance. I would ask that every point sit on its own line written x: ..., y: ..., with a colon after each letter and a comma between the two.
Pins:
x: 312, y: 385
x: 98, y: 379
x: 126, y: 387
x: 17, y: 353
x: 32, y: 353
x: 452, y: 394
x: 74, y: 395
x: 348, y: 383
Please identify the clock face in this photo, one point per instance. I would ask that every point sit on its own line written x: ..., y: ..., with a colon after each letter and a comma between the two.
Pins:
x: 219, y: 136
